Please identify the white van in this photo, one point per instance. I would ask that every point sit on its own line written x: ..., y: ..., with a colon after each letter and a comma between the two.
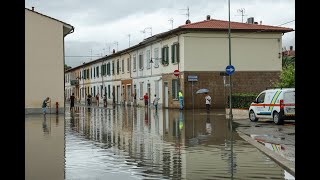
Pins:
x: 276, y: 104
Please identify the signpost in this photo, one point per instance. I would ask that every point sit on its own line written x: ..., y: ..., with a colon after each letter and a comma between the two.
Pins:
x: 230, y: 69
x: 176, y: 72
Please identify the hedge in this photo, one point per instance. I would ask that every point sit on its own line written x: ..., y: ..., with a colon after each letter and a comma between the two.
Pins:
x: 242, y: 100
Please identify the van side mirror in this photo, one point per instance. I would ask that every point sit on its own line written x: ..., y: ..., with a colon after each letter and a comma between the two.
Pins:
x: 255, y: 101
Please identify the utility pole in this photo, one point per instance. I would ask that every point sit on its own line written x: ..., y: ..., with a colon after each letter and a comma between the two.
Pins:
x: 171, y: 21
x: 230, y: 100
x: 242, y: 11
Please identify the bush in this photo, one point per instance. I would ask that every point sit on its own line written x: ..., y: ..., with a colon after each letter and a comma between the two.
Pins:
x: 287, y: 77
x: 242, y: 100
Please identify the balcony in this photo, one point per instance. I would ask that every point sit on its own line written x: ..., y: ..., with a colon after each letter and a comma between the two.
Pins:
x: 74, y: 82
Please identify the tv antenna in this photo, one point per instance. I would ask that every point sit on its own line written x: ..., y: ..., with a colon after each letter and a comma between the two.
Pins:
x: 188, y: 12
x: 242, y: 11
x: 129, y: 39
x: 144, y: 31
x: 171, y: 21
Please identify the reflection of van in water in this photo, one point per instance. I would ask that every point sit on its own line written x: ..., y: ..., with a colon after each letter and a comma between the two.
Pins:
x: 277, y: 104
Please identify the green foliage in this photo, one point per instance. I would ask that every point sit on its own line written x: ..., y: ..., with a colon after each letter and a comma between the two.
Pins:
x: 66, y: 67
x: 287, y: 77
x: 242, y: 100
x: 288, y: 60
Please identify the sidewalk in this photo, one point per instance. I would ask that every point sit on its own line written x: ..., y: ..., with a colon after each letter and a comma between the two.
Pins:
x: 276, y: 141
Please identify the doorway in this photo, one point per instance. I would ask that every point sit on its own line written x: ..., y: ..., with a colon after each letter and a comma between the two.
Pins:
x: 166, y: 95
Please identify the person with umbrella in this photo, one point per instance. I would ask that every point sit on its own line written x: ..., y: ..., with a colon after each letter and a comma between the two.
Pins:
x: 208, y: 102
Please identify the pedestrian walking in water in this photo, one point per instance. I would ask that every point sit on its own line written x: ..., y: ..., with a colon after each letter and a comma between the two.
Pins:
x: 97, y: 99
x: 181, y: 99
x: 105, y: 100
x: 146, y: 98
x: 155, y: 102
x: 44, y: 105
x: 72, y: 102
x: 208, y: 102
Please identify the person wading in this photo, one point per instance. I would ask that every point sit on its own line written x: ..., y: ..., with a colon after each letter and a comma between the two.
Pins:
x: 181, y: 99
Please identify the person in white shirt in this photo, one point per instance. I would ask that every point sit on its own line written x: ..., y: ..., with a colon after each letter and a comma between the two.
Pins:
x: 208, y: 102
x: 155, y: 102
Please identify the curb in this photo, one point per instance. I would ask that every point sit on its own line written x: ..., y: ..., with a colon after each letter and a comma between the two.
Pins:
x: 284, y: 163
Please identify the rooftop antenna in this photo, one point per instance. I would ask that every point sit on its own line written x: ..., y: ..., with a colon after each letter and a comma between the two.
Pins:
x: 144, y: 31
x: 116, y: 43
x: 242, y: 11
x: 129, y: 39
x: 171, y: 21
x: 188, y: 12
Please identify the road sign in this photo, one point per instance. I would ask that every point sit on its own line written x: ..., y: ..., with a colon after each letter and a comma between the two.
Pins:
x: 192, y: 78
x: 230, y: 69
x: 176, y: 72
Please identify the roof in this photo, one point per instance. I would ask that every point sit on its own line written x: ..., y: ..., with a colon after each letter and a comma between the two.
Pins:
x: 214, y: 24
x: 51, y: 18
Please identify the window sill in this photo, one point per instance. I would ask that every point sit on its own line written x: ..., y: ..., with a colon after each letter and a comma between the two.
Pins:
x: 156, y: 66
x: 141, y: 69
x: 175, y: 99
x: 134, y: 70
x: 148, y: 67
x: 175, y: 63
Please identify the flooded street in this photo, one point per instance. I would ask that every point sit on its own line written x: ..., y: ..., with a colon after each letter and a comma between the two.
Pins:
x: 139, y: 143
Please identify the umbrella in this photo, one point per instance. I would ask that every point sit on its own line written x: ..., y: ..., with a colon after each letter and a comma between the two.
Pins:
x: 201, y: 91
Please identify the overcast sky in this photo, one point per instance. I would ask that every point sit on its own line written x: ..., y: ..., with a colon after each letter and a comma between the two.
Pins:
x: 99, y: 24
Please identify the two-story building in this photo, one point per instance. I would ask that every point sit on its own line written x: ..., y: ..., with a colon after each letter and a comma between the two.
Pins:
x: 198, y: 49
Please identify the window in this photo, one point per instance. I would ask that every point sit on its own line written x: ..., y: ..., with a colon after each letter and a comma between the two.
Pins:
x: 101, y: 87
x: 122, y: 66
x: 91, y: 73
x: 141, y: 61
x: 134, y: 63
x: 175, y: 53
x: 148, y: 59
x: 128, y: 65
x: 87, y: 73
x: 94, y: 90
x: 80, y: 75
x: 94, y: 72
x: 260, y: 99
x: 97, y: 71
x: 141, y: 90
x: 165, y: 55
x: 118, y: 68
x: 84, y: 74
x: 109, y: 91
x: 108, y: 69
x: 156, y: 57
x: 113, y: 67
x: 175, y: 88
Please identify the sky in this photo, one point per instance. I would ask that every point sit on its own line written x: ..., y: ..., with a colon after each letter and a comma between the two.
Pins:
x: 101, y: 25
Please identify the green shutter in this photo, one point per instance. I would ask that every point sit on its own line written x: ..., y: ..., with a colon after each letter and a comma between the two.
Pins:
x: 172, y: 54
x: 178, y: 52
x: 162, y: 55
x: 173, y: 89
x: 167, y: 55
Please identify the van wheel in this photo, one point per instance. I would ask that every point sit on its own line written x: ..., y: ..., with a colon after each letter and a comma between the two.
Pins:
x: 252, y: 116
x: 277, y: 119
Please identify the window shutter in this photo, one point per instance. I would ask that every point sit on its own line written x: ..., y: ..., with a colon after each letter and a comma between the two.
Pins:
x: 167, y: 55
x: 162, y: 55
x: 178, y: 52
x: 173, y: 89
x: 172, y: 54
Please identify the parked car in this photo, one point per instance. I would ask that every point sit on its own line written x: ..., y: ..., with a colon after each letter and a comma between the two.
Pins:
x: 277, y: 104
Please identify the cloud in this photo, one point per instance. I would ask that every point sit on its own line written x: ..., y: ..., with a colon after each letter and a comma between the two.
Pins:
x: 99, y: 24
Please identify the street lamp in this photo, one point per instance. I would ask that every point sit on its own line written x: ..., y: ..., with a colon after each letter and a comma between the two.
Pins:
x: 151, y: 62
x: 230, y: 113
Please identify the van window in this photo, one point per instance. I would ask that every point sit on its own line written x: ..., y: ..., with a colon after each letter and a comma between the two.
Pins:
x: 289, y: 97
x: 260, y: 99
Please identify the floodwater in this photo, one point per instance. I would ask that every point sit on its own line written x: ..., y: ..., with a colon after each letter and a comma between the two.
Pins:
x: 138, y: 143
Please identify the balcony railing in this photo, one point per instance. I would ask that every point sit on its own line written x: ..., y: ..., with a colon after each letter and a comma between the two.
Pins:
x: 74, y: 82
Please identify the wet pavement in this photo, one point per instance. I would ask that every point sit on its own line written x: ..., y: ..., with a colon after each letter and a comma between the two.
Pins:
x: 138, y: 143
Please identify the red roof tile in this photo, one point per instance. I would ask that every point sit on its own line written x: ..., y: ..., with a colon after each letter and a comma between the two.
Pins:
x: 223, y: 25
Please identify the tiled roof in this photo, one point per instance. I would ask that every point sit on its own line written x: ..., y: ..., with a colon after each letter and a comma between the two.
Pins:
x: 214, y: 24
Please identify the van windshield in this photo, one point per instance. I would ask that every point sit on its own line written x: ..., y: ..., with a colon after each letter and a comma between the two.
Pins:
x: 289, y: 97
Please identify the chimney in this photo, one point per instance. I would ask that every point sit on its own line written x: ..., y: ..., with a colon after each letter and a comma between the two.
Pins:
x: 32, y: 8
x: 260, y: 22
x: 250, y: 20
x: 208, y: 17
x: 291, y: 48
x: 188, y: 21
x: 113, y: 51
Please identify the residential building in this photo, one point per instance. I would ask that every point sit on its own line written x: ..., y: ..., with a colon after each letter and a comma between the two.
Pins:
x: 44, y: 60
x: 198, y: 49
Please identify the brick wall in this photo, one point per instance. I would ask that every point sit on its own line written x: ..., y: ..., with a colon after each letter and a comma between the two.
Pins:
x: 243, y: 82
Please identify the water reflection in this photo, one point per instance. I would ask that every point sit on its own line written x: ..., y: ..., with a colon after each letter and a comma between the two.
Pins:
x: 168, y: 144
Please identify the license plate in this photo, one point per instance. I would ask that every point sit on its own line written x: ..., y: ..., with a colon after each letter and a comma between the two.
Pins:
x: 291, y: 110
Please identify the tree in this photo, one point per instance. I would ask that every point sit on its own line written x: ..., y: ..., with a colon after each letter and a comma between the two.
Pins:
x: 66, y: 67
x: 287, y: 77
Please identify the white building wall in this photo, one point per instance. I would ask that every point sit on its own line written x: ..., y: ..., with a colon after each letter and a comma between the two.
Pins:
x: 249, y: 51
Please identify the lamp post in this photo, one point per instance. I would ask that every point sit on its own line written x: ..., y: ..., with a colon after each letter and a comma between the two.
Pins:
x: 230, y: 82
x: 151, y: 62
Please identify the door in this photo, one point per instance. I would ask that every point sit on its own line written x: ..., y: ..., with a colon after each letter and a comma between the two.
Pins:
x: 259, y: 107
x: 166, y: 95
x: 129, y: 93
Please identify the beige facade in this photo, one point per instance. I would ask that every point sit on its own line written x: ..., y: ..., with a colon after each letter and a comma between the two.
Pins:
x: 44, y: 60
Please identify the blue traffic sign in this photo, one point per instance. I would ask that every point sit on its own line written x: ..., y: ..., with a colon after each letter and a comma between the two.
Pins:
x: 230, y: 69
